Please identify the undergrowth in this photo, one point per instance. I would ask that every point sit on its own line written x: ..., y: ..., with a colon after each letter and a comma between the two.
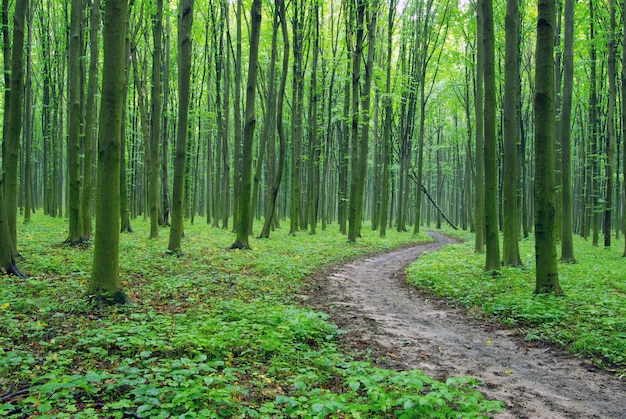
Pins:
x: 590, y: 320
x: 212, y: 333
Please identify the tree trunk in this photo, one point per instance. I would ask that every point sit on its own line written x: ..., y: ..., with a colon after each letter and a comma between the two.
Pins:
x: 73, y: 126
x: 11, y: 143
x: 271, y: 207
x: 510, y: 247
x: 241, y: 241
x: 155, y: 128
x: 355, y: 179
x: 479, y: 242
x: 547, y: 276
x: 28, y: 125
x: 388, y: 106
x: 567, y: 244
x: 105, y: 280
x: 492, y: 238
x: 610, y: 138
x: 185, y: 20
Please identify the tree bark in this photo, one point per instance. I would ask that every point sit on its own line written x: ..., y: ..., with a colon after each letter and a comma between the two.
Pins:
x: 155, y: 128
x: 610, y: 123
x: 492, y: 238
x: 185, y: 21
x: 11, y: 143
x: 241, y: 241
x: 510, y: 247
x: 547, y: 276
x: 567, y: 244
x: 105, y: 282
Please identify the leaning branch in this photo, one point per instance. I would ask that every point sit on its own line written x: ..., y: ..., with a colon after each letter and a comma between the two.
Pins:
x: 413, y: 177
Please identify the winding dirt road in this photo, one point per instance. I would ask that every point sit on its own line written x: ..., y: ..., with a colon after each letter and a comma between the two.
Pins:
x: 404, y: 329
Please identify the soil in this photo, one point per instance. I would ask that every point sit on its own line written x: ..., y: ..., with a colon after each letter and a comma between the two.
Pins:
x: 404, y: 328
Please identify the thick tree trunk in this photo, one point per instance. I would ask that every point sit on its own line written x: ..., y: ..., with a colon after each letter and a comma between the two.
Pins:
x: 185, y: 21
x: 13, y: 108
x: 510, y: 247
x: 105, y: 282
x: 547, y: 276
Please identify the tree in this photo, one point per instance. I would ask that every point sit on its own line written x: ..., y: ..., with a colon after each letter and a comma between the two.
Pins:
x: 547, y: 276
x: 479, y: 184
x: 13, y: 110
x: 273, y: 192
x: 510, y: 247
x: 155, y: 128
x: 610, y: 128
x: 492, y: 238
x: 567, y: 243
x: 355, y: 178
x: 90, y: 117
x: 388, y: 106
x: 105, y: 283
x: 241, y: 241
x: 75, y: 236
x: 185, y: 21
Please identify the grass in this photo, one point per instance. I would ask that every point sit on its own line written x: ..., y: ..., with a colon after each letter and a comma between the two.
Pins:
x: 211, y: 333
x: 590, y: 320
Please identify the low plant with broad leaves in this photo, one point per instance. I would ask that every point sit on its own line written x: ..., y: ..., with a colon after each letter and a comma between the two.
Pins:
x: 212, y: 333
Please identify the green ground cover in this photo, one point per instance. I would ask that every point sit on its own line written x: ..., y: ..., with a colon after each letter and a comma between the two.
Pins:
x: 589, y: 321
x: 212, y: 333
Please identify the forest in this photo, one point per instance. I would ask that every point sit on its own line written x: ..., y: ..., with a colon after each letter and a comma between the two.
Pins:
x: 179, y: 178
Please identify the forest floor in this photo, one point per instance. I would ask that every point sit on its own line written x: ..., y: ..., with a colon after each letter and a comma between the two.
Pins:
x: 402, y: 328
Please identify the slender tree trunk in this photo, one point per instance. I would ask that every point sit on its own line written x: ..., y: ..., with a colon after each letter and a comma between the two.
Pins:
x: 90, y: 118
x: 155, y: 127
x: 241, y: 241
x: 510, y: 248
x: 28, y: 124
x: 610, y: 138
x: 624, y: 116
x: 74, y: 122
x: 567, y: 244
x: 295, y: 207
x: 492, y: 239
x: 185, y: 21
x: 355, y: 179
x: 479, y: 242
x: 314, y: 140
x: 268, y: 125
x: 372, y: 13
x: 11, y: 143
x: 125, y: 226
x: 594, y: 171
x: 388, y: 106
x: 547, y: 276
x: 271, y: 207
x: 237, y: 150
x: 164, y: 214
x: 105, y: 282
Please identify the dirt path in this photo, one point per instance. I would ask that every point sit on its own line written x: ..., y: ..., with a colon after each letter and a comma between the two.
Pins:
x: 370, y: 300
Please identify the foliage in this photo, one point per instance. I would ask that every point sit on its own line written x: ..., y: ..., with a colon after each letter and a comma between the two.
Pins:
x: 590, y: 320
x: 212, y: 333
